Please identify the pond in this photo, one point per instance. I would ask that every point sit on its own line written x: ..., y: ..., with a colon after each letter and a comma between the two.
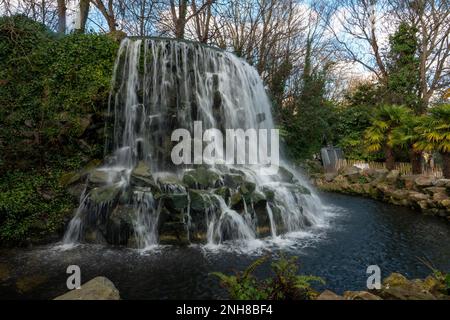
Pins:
x: 358, y: 233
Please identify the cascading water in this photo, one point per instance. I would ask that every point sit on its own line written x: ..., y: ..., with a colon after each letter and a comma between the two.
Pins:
x: 139, y: 197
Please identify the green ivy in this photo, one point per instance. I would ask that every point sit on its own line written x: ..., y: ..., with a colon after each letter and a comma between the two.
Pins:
x: 52, y: 89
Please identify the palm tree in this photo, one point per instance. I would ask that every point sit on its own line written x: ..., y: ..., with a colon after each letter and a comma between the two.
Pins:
x: 434, y: 134
x: 405, y: 136
x: 380, y: 135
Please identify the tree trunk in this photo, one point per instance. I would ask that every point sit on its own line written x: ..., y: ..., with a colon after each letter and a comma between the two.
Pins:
x: 62, y: 16
x: 390, y: 159
x: 416, y: 165
x: 111, y: 23
x: 446, y: 165
x: 83, y: 16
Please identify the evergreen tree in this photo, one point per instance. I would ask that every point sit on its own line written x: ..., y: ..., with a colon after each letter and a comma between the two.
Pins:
x: 403, y: 69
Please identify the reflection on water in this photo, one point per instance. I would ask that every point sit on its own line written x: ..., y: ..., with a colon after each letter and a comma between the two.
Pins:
x: 361, y: 232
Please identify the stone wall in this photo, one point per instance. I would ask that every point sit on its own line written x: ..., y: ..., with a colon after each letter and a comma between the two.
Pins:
x: 424, y: 193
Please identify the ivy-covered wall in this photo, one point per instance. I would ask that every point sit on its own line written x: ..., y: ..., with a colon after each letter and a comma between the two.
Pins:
x: 53, y: 99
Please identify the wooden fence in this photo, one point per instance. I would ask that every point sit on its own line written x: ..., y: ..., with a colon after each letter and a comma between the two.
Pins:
x: 403, y: 167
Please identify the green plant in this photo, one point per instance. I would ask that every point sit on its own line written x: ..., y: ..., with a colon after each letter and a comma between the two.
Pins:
x: 285, y: 283
x: 32, y: 205
x: 434, y: 134
x: 380, y: 134
x: 53, y: 96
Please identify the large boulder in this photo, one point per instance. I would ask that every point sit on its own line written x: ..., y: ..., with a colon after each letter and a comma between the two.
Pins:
x: 176, y: 201
x: 142, y: 176
x: 443, y: 183
x: 233, y: 180
x: 398, y: 287
x: 392, y: 176
x: 201, y: 200
x: 170, y: 183
x: 417, y: 196
x: 352, y: 174
x: 329, y: 176
x: 408, y: 181
x: 379, y: 174
x: 285, y: 175
x: 201, y: 178
x: 107, y: 194
x: 425, y: 181
x: 400, y: 197
x: 99, y: 177
x: 435, y: 190
x: 99, y: 288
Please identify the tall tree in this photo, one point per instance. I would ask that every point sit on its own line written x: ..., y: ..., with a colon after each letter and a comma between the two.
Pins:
x: 403, y: 68
x: 106, y: 8
x: 83, y: 14
x: 180, y: 14
x: 358, y: 26
x: 431, y: 18
x: 61, y: 16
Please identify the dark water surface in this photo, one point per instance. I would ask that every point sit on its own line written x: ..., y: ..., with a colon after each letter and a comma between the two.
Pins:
x: 361, y: 232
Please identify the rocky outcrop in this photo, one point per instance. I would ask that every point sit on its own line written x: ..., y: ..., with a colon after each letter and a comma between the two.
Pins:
x: 425, y: 193
x: 184, y: 204
x: 398, y: 287
x: 99, y: 288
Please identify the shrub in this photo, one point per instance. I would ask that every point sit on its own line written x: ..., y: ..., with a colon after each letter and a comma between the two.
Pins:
x: 285, y: 284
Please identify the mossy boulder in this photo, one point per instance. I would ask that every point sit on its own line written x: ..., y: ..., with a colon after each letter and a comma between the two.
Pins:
x: 170, y: 183
x: 107, y: 194
x: 201, y: 199
x: 233, y: 180
x: 176, y: 201
x: 201, y: 178
x: 223, y: 192
x: 142, y: 176
x: 99, y: 177
x: 247, y: 187
x: 236, y: 198
x: 285, y: 175
x: 269, y: 193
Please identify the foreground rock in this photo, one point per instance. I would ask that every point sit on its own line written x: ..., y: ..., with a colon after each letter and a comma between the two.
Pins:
x: 423, y: 193
x: 99, y: 288
x: 397, y: 287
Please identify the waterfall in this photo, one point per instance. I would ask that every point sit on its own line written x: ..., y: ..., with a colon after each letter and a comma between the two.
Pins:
x: 160, y: 85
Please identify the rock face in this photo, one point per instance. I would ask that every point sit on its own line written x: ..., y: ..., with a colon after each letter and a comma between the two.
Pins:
x: 183, y: 208
x: 423, y: 193
x: 99, y: 288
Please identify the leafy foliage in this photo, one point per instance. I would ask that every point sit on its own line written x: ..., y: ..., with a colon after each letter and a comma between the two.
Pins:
x: 434, y: 130
x: 32, y: 204
x: 285, y: 284
x: 53, y: 93
x: 381, y: 132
